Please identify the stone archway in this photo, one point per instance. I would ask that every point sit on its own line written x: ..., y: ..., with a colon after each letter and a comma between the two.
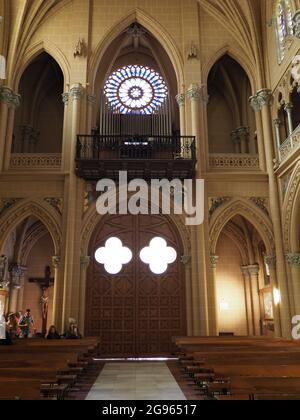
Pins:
x: 135, y: 312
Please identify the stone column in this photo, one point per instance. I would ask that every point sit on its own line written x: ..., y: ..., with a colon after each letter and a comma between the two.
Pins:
x: 195, y: 94
x: 259, y: 129
x: 254, y: 280
x: 91, y: 101
x: 278, y: 124
x: 236, y: 141
x: 248, y: 302
x: 289, y: 110
x: 213, y: 297
x: 57, y: 294
x: 84, y: 264
x: 243, y: 133
x: 271, y: 262
x: 180, y: 98
x: 66, y: 100
x: 263, y: 101
x: 16, y: 274
x: 294, y: 262
x: 9, y: 101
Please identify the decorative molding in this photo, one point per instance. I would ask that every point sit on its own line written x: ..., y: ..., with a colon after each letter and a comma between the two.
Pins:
x: 56, y: 203
x: 25, y: 161
x: 253, y: 270
x: 291, y: 144
x: 7, y: 203
x: 66, y: 98
x: 91, y: 99
x: 234, y: 161
x: 186, y: 259
x: 9, y: 97
x: 85, y: 262
x: 263, y: 98
x: 180, y: 98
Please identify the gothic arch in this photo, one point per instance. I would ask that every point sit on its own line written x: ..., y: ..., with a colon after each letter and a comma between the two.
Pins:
x: 236, y: 55
x: 26, y: 208
x: 250, y: 212
x: 156, y: 29
x: 37, y: 49
x: 291, y: 212
x: 35, y: 233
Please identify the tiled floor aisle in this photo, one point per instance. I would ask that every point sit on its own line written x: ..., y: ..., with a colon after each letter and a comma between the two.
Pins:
x: 136, y: 381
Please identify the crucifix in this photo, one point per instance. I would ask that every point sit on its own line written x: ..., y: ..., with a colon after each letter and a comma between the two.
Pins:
x: 44, y: 283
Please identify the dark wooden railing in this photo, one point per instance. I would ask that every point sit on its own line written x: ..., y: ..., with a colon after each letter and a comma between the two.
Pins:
x: 104, y: 147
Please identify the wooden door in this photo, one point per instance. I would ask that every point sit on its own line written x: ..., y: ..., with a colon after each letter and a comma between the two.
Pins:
x: 135, y: 312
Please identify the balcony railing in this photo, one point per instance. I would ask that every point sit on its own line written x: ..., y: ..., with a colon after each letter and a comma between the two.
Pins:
x: 291, y: 144
x: 141, y: 156
x: 233, y: 162
x: 35, y: 161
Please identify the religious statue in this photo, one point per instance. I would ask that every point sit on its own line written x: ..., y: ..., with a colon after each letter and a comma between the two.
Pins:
x: 44, y: 303
x: 193, y: 52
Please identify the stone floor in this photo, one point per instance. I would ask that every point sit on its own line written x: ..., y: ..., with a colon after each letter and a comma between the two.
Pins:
x: 136, y: 381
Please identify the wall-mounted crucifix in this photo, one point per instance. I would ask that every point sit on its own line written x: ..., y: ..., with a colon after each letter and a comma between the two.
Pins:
x: 44, y: 283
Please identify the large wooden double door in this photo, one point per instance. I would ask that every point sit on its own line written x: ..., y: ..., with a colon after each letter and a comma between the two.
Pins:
x: 135, y: 312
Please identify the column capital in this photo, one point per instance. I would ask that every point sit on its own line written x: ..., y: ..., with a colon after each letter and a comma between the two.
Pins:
x: 255, y: 103
x: 214, y: 259
x: 253, y: 269
x: 180, y: 98
x: 85, y: 262
x: 296, y: 21
x: 235, y: 137
x: 265, y: 97
x: 277, y: 122
x: 243, y: 131
x: 56, y: 260
x: 91, y: 99
x: 17, y: 272
x: 271, y: 261
x: 293, y: 259
x: 288, y: 107
x: 76, y: 92
x: 9, y: 97
x: 198, y: 93
x: 65, y: 98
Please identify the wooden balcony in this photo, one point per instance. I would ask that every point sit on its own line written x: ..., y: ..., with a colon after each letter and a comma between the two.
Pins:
x: 143, y: 157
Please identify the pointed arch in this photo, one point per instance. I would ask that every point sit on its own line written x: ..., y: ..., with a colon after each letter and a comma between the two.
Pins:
x: 250, y: 212
x: 27, y: 208
x: 156, y: 29
x: 236, y: 55
x: 34, y: 51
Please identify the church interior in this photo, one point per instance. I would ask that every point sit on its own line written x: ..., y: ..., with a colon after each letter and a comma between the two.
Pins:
x: 144, y: 306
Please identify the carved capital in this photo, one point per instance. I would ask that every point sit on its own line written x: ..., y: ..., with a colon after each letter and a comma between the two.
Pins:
x: 243, y: 132
x: 277, y: 122
x: 91, y: 99
x: 198, y: 94
x: 265, y: 97
x: 9, y: 97
x: 271, y: 261
x: 253, y: 270
x: 214, y: 259
x: 17, y: 272
x: 180, y: 99
x: 65, y: 98
x: 85, y: 262
x: 76, y: 92
x: 186, y: 259
x: 255, y: 104
x: 56, y: 260
x: 293, y: 259
x: 289, y: 108
x: 296, y: 21
x: 235, y: 137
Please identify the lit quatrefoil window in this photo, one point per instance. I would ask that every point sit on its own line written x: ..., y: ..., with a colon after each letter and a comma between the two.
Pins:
x: 158, y: 256
x: 135, y: 90
x: 113, y: 256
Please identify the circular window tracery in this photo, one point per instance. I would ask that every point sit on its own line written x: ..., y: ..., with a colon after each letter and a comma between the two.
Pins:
x: 135, y: 90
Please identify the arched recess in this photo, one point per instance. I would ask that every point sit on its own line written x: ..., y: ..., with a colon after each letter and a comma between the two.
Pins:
x: 40, y: 210
x: 34, y: 51
x: 229, y: 89
x: 291, y: 213
x: 157, y: 30
x: 250, y: 212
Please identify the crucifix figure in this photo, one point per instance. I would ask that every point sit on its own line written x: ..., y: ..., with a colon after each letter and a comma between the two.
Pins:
x: 45, y: 283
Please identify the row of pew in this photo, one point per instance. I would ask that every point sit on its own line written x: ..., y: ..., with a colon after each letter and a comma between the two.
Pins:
x: 241, y: 368
x: 40, y: 369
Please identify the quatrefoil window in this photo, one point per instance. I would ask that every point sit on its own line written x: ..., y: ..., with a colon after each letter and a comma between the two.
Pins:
x: 158, y: 256
x: 113, y: 256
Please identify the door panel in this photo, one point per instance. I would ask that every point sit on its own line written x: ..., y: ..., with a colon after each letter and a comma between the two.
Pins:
x: 135, y: 312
